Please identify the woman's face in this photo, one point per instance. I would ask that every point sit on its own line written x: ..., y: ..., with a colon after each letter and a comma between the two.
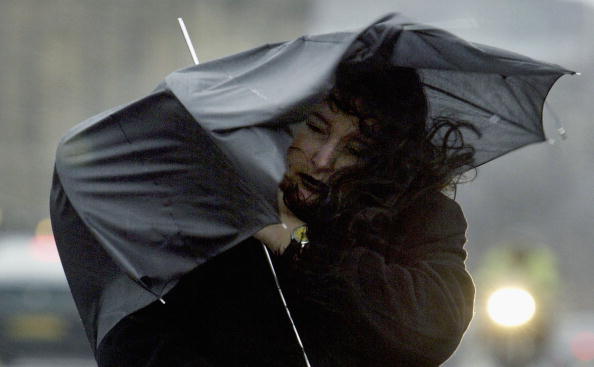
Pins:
x: 327, y: 141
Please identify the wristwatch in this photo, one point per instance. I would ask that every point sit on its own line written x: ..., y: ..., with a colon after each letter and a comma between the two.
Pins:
x: 299, y: 242
x: 299, y: 235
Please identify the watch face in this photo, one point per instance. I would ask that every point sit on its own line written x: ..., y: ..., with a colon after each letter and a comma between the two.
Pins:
x: 300, y: 234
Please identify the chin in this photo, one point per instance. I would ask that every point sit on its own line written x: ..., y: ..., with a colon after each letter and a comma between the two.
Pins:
x: 304, y: 208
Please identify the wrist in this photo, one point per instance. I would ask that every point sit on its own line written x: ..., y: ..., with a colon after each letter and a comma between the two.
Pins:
x: 277, y: 237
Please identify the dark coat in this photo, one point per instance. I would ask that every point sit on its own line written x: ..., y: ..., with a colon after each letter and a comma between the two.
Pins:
x: 407, y: 305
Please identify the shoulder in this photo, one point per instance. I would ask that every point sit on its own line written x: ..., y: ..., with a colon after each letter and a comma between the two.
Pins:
x: 432, y: 224
x: 434, y: 215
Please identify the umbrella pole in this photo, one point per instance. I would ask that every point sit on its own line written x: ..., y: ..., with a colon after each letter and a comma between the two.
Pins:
x: 188, y: 40
x: 282, y: 296
x: 267, y: 254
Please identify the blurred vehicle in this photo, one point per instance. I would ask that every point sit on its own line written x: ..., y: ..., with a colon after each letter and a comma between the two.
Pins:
x: 520, y: 284
x: 38, y: 317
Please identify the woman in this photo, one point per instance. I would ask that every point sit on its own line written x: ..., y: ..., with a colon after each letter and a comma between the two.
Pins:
x: 380, y: 280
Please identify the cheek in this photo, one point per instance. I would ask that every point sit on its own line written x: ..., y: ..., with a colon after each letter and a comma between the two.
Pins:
x: 296, y: 157
x: 301, y: 140
x: 301, y: 148
x: 345, y: 161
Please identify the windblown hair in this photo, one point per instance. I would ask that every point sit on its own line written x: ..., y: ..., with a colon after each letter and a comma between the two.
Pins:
x: 406, y: 159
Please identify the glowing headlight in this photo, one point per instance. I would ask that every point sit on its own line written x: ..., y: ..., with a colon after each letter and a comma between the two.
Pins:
x: 511, y: 306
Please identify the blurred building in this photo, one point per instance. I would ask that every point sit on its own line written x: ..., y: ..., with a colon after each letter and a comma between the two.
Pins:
x: 65, y: 60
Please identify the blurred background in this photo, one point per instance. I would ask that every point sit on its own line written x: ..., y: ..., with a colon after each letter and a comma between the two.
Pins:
x: 530, y: 213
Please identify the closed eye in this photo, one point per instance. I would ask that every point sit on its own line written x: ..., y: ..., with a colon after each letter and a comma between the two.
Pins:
x: 316, y: 123
x: 313, y: 127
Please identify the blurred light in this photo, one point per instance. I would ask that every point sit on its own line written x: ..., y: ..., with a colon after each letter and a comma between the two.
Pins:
x: 43, y: 248
x: 43, y: 244
x: 44, y: 227
x: 31, y: 327
x: 582, y: 346
x: 511, y: 306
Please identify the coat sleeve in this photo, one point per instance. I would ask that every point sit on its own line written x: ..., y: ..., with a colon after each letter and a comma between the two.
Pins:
x: 408, y: 305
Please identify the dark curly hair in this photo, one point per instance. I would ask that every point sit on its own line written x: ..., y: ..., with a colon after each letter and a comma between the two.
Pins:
x: 408, y: 157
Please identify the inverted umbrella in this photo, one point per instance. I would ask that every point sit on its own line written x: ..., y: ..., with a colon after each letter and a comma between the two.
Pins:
x: 146, y: 192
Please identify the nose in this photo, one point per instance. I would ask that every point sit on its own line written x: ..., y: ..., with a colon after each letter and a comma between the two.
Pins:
x: 324, y: 158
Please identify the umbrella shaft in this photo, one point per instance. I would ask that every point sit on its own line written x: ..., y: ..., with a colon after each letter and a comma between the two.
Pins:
x: 282, y: 296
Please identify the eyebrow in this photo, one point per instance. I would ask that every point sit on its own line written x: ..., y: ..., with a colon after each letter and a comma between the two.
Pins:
x: 359, y: 138
x: 321, y: 117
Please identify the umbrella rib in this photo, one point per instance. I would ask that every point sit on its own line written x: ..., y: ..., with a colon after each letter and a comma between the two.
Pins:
x: 518, y: 125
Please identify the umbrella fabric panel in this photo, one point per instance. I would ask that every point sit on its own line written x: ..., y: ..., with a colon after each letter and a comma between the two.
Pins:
x: 264, y: 83
x: 148, y: 175
x: 498, y: 91
x: 246, y: 101
x: 506, y: 109
x: 421, y: 46
x: 103, y: 294
x: 146, y: 183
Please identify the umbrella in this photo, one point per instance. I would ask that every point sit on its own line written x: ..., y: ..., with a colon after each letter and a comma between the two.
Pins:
x: 148, y: 191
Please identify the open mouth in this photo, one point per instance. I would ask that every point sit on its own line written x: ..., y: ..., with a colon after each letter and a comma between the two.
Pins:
x: 313, y: 185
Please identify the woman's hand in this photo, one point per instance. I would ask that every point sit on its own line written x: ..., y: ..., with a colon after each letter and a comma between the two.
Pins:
x: 278, y: 236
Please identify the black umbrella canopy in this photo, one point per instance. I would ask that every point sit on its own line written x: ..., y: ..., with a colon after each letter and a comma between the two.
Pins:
x: 146, y: 192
